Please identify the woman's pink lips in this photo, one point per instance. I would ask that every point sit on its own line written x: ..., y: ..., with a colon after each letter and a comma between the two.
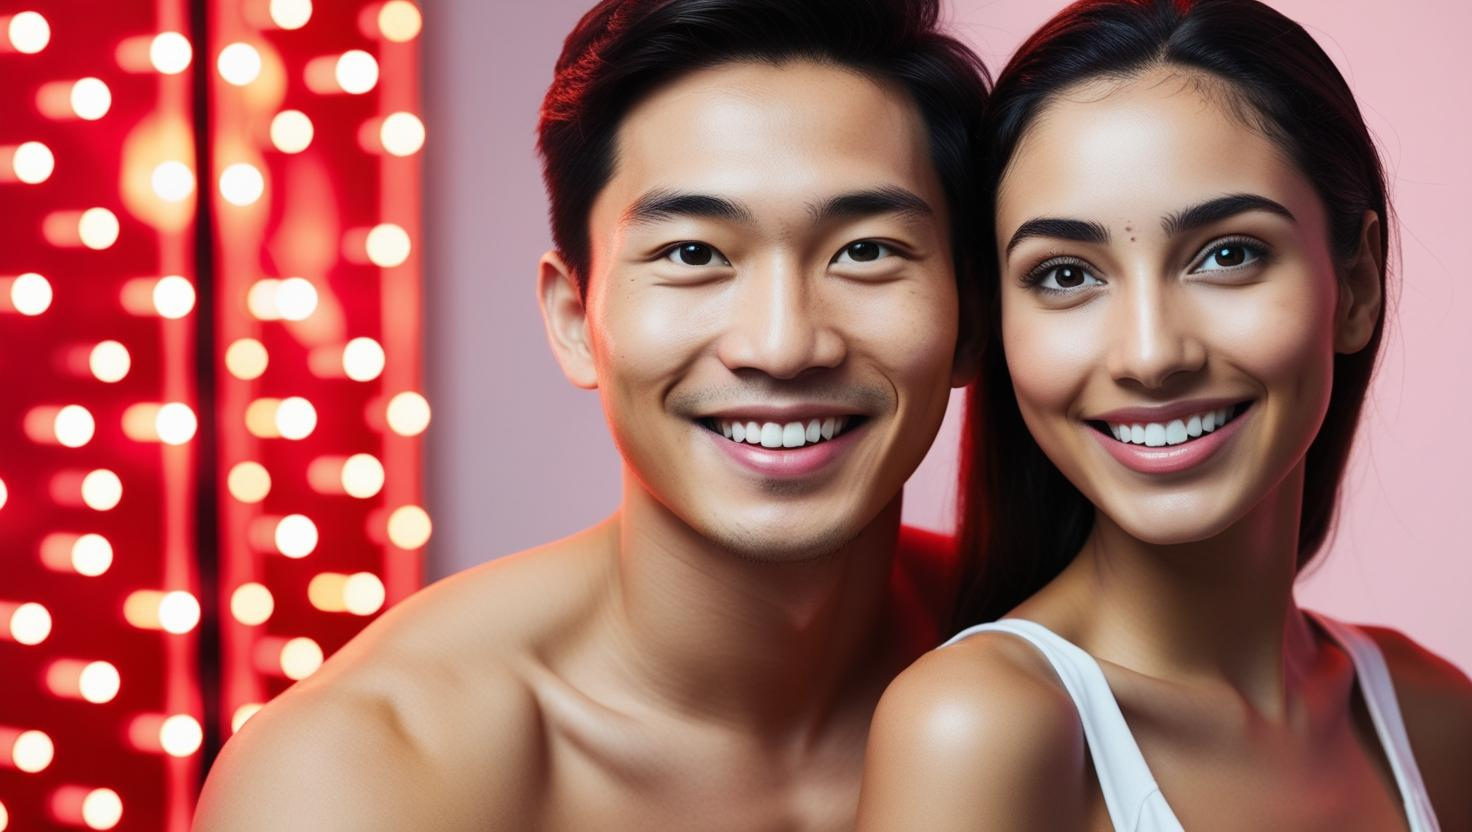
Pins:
x: 785, y: 463
x: 1170, y: 459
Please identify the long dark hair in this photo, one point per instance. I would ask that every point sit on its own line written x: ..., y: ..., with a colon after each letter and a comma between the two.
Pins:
x: 1022, y: 522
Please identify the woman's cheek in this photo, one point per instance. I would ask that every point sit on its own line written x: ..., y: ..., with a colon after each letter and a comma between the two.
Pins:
x: 1050, y: 354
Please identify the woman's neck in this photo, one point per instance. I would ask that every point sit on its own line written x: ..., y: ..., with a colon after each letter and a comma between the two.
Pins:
x: 1217, y: 609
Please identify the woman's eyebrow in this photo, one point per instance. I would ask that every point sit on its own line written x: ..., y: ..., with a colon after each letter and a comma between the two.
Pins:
x: 1059, y: 228
x: 1221, y: 208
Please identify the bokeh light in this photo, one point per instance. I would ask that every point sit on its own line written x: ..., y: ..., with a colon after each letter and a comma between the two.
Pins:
x: 30, y: 624
x: 291, y: 14
x: 102, y: 490
x: 90, y: 99
x: 30, y: 294
x: 296, y: 299
x: 175, y: 423
x: 28, y: 33
x: 356, y: 72
x: 242, y: 184
x: 252, y: 604
x: 249, y: 482
x: 399, y: 21
x: 239, y: 64
x: 363, y: 359
x: 173, y: 297
x: 296, y: 536
x: 408, y: 414
x: 172, y: 181
x: 98, y: 228
x: 91, y: 555
x: 74, y: 426
x: 99, y: 682
x: 402, y: 134
x: 409, y: 527
x: 300, y: 658
x: 388, y: 245
x: 33, y: 163
x: 180, y: 735
x: 170, y: 53
x: 291, y: 131
x: 246, y: 359
x: 242, y: 715
x: 102, y: 809
x: 109, y: 362
x: 362, y: 476
x: 32, y: 751
x: 296, y: 418
x: 178, y: 612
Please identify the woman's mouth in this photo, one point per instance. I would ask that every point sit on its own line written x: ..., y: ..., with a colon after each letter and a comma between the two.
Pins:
x: 1172, y: 432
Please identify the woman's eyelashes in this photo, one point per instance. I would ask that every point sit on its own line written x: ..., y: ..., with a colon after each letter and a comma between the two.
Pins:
x: 1061, y: 276
x: 1229, y: 255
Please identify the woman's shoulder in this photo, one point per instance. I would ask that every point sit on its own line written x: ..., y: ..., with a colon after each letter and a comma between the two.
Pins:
x: 980, y: 732
x: 1435, y: 699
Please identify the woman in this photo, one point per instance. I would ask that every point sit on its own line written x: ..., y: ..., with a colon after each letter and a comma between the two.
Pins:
x: 1191, y: 236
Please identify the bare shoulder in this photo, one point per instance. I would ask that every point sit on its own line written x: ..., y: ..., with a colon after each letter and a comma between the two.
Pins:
x: 980, y: 734
x: 426, y: 719
x: 1436, y: 704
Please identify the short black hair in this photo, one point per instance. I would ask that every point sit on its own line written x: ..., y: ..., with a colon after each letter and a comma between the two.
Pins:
x: 623, y: 49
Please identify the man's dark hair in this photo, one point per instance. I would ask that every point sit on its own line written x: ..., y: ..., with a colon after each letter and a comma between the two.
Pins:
x: 623, y: 49
x: 1022, y: 521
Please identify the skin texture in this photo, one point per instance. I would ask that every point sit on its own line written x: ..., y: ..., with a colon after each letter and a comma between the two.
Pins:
x: 709, y: 657
x: 1248, y: 716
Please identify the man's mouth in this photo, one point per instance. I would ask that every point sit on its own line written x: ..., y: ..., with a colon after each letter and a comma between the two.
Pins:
x: 1173, y: 432
x: 781, y: 435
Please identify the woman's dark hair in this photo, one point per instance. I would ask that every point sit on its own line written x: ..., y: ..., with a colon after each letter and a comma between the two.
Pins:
x: 622, y: 50
x: 1022, y: 521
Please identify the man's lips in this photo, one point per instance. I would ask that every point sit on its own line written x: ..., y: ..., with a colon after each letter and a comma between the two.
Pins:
x: 785, y: 459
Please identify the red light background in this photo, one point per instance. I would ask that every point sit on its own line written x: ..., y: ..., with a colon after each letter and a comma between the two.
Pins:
x: 239, y: 347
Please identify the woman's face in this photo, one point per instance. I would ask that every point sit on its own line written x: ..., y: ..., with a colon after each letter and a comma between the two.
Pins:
x: 1169, y: 302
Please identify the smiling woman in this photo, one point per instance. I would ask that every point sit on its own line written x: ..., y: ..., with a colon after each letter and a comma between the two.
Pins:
x: 1190, y: 226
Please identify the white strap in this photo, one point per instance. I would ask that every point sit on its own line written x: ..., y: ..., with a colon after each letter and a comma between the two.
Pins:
x: 1124, y: 778
x: 1378, y: 691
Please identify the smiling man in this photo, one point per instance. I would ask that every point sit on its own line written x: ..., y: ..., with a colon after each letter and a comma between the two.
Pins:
x: 759, y: 209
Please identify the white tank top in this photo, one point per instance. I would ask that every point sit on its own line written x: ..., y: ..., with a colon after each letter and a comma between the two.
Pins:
x: 1130, y: 792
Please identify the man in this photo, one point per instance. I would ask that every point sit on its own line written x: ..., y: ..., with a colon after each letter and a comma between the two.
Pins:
x: 754, y: 205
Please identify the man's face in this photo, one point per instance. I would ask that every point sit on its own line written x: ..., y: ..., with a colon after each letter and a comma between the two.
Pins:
x: 772, y: 309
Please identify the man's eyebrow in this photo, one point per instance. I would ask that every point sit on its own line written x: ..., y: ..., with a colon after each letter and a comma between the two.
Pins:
x: 1061, y: 229
x: 1219, y: 209
x: 665, y: 204
x: 890, y: 199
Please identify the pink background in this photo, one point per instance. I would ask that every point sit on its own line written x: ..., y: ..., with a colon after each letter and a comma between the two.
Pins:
x: 518, y: 457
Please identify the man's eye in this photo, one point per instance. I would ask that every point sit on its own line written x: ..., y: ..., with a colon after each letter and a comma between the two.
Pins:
x: 863, y: 251
x: 696, y: 254
x: 1229, y: 255
x: 1065, y: 277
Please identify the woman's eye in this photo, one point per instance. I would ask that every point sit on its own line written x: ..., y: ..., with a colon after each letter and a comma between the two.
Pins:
x: 1066, y: 276
x: 863, y: 251
x: 1229, y: 256
x: 696, y: 254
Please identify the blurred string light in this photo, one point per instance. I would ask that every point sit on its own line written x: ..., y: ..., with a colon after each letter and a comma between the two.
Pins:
x: 317, y: 427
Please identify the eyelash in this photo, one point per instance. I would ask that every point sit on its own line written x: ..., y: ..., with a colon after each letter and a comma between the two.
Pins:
x: 1035, y: 276
x: 890, y: 250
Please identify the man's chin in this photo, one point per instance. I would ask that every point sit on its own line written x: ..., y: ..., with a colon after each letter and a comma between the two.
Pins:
x: 783, y: 545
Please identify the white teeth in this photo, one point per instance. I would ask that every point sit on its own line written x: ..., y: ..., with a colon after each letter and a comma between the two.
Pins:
x: 793, y: 435
x: 781, y: 435
x: 1175, y: 432
x: 771, y: 435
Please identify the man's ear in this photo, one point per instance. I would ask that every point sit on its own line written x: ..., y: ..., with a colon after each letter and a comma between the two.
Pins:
x: 1361, y: 290
x: 566, y: 318
x: 966, y: 365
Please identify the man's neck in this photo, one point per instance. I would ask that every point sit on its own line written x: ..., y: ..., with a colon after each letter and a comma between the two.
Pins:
x: 774, y: 647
